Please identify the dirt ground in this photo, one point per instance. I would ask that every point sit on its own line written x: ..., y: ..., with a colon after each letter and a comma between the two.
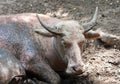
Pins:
x: 103, y: 64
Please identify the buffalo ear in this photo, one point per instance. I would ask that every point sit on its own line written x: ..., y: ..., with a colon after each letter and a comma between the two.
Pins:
x: 91, y: 34
x: 43, y: 32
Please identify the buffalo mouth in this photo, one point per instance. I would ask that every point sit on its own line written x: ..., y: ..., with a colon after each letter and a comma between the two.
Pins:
x: 73, y: 71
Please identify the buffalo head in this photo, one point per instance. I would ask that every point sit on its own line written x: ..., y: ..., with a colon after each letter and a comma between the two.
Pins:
x: 69, y: 40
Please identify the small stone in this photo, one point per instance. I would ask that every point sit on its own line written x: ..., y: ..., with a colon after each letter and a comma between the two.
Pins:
x: 117, y: 1
x: 111, y: 3
x: 92, y: 58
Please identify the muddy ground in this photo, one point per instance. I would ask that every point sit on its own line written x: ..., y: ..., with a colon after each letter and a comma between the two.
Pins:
x: 103, y: 63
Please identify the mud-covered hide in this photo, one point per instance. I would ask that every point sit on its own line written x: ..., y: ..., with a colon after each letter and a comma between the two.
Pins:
x: 17, y: 37
x: 9, y: 67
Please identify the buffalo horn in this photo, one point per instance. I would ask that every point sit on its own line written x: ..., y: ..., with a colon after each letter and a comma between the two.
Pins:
x: 92, y: 22
x: 53, y: 30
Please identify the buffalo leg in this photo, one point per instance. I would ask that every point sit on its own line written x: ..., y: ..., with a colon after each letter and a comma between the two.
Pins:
x: 36, y: 66
x: 9, y: 67
x: 43, y: 72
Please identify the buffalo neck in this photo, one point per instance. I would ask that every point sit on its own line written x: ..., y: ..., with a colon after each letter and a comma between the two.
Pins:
x: 58, y: 49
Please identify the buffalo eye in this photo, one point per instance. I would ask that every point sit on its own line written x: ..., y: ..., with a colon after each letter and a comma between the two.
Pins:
x: 65, y: 44
x: 56, y: 27
x: 82, y: 45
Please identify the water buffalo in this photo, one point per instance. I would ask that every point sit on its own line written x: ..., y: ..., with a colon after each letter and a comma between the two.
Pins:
x: 56, y: 47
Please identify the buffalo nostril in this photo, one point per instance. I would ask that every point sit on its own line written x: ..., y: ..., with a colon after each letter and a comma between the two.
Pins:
x: 74, y: 68
x: 78, y: 69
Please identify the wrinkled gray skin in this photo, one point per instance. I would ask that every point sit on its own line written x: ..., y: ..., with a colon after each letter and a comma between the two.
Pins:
x: 9, y: 67
x: 17, y: 38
